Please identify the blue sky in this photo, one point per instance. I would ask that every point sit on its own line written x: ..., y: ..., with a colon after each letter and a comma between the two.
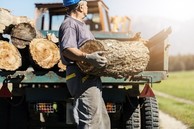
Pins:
x: 172, y: 9
x: 22, y: 7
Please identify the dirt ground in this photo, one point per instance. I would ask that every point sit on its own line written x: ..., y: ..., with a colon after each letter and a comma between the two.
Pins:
x: 168, y: 122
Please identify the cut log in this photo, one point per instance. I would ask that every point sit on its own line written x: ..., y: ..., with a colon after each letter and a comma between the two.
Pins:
x: 124, y: 58
x: 44, y: 53
x: 6, y: 20
x: 52, y: 37
x: 5, y: 17
x: 61, y: 66
x: 10, y: 58
x: 21, y: 19
x: 22, y: 34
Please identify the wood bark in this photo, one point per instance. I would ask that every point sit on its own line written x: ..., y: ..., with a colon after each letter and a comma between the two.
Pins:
x: 10, y: 58
x: 124, y: 58
x: 22, y: 34
x: 44, y: 53
x: 5, y: 19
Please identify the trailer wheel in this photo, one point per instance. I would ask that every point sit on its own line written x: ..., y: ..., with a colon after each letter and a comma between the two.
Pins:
x: 149, y: 113
x: 131, y: 114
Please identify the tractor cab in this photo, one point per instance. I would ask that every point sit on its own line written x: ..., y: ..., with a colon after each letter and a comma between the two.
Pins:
x: 49, y: 16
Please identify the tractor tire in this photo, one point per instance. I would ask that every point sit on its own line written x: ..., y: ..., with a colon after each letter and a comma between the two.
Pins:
x: 131, y: 114
x: 149, y: 113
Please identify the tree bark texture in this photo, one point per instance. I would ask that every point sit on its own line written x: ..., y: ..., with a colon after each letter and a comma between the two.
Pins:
x: 22, y: 34
x: 44, y: 53
x: 125, y: 58
x: 10, y: 58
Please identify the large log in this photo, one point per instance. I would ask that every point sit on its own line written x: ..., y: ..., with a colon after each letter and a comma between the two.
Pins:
x: 10, y: 58
x: 5, y: 17
x: 44, y: 53
x: 22, y: 34
x: 125, y: 58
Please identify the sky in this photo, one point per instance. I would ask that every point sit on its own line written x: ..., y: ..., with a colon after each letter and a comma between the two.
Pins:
x: 148, y: 17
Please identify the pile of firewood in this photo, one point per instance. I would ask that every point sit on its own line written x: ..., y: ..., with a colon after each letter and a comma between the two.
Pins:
x: 26, y: 46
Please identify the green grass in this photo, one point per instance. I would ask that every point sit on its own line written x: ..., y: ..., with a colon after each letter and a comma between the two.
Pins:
x: 179, y: 84
x: 180, y: 111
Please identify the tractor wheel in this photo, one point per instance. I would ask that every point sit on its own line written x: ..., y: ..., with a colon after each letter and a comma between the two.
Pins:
x: 131, y: 114
x: 149, y: 113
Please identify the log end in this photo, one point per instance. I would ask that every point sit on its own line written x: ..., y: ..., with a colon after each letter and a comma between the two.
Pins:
x: 10, y: 58
x: 44, y: 53
x: 22, y: 34
x: 89, y: 46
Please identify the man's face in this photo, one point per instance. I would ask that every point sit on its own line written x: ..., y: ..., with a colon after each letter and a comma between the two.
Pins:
x: 84, y: 7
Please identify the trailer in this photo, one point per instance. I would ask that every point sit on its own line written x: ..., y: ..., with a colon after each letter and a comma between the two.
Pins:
x: 41, y: 100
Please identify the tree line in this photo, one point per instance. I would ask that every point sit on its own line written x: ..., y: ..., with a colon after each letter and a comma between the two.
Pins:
x: 181, y: 63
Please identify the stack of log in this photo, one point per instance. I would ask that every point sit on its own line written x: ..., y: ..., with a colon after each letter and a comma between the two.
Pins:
x: 26, y: 46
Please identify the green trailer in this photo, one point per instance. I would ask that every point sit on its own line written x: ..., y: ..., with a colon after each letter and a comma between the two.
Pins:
x: 40, y: 99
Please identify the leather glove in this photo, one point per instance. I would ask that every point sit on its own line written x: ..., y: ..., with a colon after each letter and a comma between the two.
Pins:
x: 96, y: 59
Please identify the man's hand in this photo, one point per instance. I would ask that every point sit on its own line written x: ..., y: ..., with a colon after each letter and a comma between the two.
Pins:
x: 96, y: 59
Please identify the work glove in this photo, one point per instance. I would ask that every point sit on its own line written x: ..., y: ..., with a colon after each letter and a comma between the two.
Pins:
x: 96, y: 59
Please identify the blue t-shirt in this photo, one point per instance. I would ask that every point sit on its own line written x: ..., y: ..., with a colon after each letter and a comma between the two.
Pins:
x: 72, y: 34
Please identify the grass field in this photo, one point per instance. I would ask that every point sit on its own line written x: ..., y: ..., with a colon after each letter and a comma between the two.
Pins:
x: 179, y: 84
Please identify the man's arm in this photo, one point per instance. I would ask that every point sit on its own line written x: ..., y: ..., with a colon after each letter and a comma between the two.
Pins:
x: 74, y: 54
x: 95, y: 58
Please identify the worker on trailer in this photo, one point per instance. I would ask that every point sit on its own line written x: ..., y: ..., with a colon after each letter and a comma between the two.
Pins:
x: 89, y: 108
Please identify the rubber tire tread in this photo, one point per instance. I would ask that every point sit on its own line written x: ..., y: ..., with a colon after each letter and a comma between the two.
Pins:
x: 149, y: 113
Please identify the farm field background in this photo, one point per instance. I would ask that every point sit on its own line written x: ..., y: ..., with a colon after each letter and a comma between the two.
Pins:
x: 180, y: 87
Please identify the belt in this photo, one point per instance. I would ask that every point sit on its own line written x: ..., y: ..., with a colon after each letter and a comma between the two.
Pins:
x: 70, y: 76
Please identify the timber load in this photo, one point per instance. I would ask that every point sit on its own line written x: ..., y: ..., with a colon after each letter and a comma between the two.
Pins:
x: 26, y: 46
x: 10, y: 58
x: 124, y: 57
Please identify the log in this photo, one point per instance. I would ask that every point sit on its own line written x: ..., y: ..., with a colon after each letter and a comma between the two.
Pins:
x: 44, y: 53
x: 5, y: 17
x: 125, y: 58
x: 61, y: 66
x: 21, y: 19
x: 10, y: 58
x: 22, y: 34
x: 52, y: 37
x: 6, y: 21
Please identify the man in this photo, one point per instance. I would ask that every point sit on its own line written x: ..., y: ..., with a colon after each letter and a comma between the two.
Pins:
x: 89, y: 108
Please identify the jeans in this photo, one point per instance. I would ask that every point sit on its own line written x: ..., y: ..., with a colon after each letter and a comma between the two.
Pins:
x: 90, y: 111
